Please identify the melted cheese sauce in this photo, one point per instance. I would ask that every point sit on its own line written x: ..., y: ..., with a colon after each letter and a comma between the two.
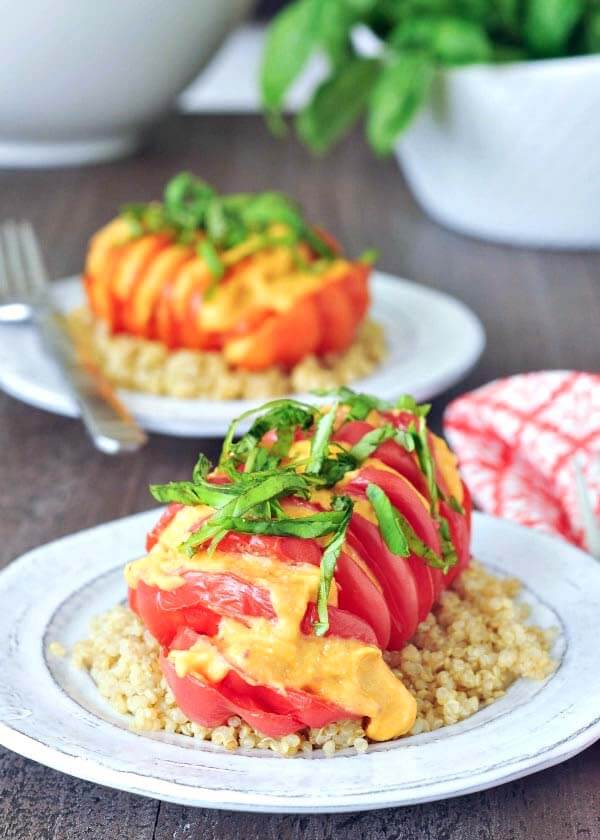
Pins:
x: 448, y: 466
x: 269, y: 282
x: 344, y: 671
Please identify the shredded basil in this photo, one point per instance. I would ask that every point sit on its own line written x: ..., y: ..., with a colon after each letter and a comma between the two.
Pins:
x: 329, y: 562
x: 389, y: 525
x: 320, y: 441
x: 407, y: 403
x: 456, y: 505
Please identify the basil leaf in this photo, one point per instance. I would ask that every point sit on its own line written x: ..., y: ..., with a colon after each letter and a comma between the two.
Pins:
x: 420, y: 549
x: 276, y: 414
x: 283, y: 444
x: 399, y: 93
x: 336, y: 23
x: 549, y: 24
x: 337, y: 104
x: 450, y: 40
x: 263, y: 491
x: 359, y: 404
x: 405, y: 440
x: 266, y: 208
x: 213, y: 262
x: 334, y: 469
x: 291, y: 39
x: 329, y: 563
x: 371, y: 441
x: 387, y: 517
x: 320, y: 441
x: 210, y: 530
x: 456, y: 505
x: 421, y: 439
x: 407, y: 403
x: 306, y: 527
x: 217, y: 225
x: 193, y: 493
x: 592, y: 31
x: 370, y: 256
x: 201, y: 469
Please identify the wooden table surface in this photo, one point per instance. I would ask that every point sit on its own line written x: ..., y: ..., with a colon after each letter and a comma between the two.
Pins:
x: 540, y: 310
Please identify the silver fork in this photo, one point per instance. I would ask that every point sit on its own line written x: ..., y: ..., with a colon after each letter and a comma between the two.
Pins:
x: 24, y: 296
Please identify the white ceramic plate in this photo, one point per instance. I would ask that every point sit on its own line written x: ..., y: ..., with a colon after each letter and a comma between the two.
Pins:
x: 433, y: 341
x: 52, y: 713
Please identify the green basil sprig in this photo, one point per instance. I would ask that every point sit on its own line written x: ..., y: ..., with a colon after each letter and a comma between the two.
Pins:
x: 414, y: 40
x: 191, y: 206
x: 343, y: 505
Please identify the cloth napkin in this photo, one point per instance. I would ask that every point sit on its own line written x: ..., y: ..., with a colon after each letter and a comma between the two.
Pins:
x: 517, y: 440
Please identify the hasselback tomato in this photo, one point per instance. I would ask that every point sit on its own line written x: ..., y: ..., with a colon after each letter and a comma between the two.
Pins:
x: 316, y: 546
x: 235, y: 274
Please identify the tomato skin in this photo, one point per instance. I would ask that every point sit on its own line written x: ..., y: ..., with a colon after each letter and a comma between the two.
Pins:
x: 460, y: 536
x: 167, y: 517
x: 223, y: 593
x: 395, y: 576
x: 288, y: 549
x: 271, y: 712
x: 342, y: 623
x: 212, y: 705
x: 389, y: 452
x: 164, y: 624
x: 359, y: 595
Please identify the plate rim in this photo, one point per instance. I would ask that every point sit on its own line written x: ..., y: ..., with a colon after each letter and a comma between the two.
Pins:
x: 212, y: 421
x: 93, y: 771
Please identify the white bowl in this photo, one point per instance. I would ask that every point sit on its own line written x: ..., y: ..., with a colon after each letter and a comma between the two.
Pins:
x: 80, y: 81
x: 512, y: 152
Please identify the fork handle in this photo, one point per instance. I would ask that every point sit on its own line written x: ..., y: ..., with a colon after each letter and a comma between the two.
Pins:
x: 106, y: 419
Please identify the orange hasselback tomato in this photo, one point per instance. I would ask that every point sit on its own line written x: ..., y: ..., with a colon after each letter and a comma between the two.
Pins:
x: 265, y: 310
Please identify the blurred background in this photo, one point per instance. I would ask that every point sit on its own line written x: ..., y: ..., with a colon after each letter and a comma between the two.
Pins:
x: 479, y: 101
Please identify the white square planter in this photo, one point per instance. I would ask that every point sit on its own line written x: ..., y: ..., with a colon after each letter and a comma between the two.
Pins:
x: 512, y: 152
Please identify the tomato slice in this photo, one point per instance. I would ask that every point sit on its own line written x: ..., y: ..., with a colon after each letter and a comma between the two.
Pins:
x: 358, y: 594
x: 395, y: 576
x: 342, y: 624
x: 389, y: 452
x: 223, y: 593
x: 287, y: 549
x: 269, y: 711
x: 167, y: 517
x: 460, y: 536
x: 204, y: 598
x: 211, y: 705
x: 164, y: 624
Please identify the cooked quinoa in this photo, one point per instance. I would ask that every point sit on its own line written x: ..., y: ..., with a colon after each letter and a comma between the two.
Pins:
x: 142, y: 365
x: 468, y: 651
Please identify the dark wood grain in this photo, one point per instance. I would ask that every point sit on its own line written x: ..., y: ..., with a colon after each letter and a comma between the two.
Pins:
x: 540, y: 310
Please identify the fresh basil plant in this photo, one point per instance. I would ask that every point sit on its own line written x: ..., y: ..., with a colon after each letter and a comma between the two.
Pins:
x: 415, y: 37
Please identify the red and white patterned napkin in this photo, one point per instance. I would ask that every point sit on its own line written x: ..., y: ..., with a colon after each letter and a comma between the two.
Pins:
x: 516, y: 440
